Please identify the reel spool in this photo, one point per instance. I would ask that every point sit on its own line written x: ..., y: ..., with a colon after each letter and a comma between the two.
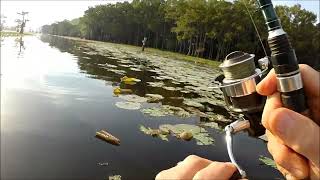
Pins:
x: 238, y: 84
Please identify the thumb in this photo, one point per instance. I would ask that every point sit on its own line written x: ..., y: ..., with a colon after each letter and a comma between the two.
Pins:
x: 296, y: 131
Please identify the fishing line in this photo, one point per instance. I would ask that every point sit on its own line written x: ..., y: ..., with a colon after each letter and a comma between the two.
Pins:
x: 255, y: 27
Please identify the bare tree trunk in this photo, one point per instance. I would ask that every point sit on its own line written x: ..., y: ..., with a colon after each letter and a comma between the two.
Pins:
x: 190, y: 46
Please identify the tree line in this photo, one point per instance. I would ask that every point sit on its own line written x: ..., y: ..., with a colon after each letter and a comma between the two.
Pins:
x: 204, y: 28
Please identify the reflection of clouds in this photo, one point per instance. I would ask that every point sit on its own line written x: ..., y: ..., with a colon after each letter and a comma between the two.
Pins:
x: 45, y: 71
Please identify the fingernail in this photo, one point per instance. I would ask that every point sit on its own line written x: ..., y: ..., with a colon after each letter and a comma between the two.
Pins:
x: 285, y: 124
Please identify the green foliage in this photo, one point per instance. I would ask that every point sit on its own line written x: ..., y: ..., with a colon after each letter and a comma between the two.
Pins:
x: 267, y: 161
x: 201, y: 28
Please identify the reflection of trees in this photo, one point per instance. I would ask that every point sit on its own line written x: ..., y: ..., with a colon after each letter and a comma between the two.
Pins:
x: 20, y: 44
x: 88, y: 63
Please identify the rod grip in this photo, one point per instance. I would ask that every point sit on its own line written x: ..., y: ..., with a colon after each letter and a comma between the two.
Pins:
x: 294, y: 100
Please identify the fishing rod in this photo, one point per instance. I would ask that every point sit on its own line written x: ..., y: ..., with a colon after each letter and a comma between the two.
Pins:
x: 240, y: 77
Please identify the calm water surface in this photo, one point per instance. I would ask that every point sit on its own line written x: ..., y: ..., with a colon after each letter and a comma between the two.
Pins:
x: 53, y: 100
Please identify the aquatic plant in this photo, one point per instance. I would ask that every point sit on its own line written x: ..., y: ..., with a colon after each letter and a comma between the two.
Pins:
x: 133, y: 98
x: 190, y: 102
x: 166, y: 110
x: 128, y: 105
x: 156, y: 84
x: 154, y: 132
x: 153, y: 98
x: 267, y: 161
x: 115, y: 177
x: 180, y: 131
x: 128, y: 79
x: 201, y: 136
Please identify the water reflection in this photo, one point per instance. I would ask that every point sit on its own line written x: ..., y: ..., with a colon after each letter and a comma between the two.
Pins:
x: 56, y: 98
x: 20, y: 45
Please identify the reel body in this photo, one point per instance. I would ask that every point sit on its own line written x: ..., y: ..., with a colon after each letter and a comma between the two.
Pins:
x: 238, y: 84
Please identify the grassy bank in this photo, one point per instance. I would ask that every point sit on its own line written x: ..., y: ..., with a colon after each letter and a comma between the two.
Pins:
x: 12, y: 34
x: 158, y: 52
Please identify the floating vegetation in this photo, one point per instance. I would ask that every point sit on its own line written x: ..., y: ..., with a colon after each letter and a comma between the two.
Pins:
x: 196, y: 111
x: 115, y: 177
x: 108, y: 65
x: 186, y: 135
x: 154, y: 98
x: 124, y: 65
x: 201, y: 136
x: 155, y: 132
x: 166, y: 110
x: 192, y: 103
x: 217, y: 117
x: 128, y: 105
x: 156, y: 84
x: 171, y: 88
x: 129, y: 80
x: 155, y: 70
x: 157, y: 112
x: 116, y: 71
x: 90, y: 53
x: 134, y: 98
x: 117, y: 91
x: 104, y: 135
x: 175, y: 82
x: 212, y: 125
x: 267, y: 161
x: 135, y: 69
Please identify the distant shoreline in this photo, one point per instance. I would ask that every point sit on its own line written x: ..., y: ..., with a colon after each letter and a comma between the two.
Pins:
x: 169, y: 54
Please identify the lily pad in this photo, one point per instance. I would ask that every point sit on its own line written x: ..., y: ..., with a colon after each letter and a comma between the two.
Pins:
x: 135, y: 69
x: 169, y: 88
x: 212, y: 125
x: 267, y: 161
x: 133, y: 98
x: 128, y: 105
x: 157, y: 112
x: 129, y: 79
x: 201, y: 136
x: 155, y: 132
x: 166, y: 110
x: 190, y: 102
x: 217, y: 117
x: 124, y: 65
x: 116, y: 71
x: 152, y: 98
x: 156, y: 84
x: 115, y: 177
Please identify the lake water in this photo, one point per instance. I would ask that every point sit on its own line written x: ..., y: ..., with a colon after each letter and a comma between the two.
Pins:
x: 54, y: 97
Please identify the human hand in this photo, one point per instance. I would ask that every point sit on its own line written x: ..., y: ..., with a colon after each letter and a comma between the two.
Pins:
x: 293, y: 139
x: 197, y: 168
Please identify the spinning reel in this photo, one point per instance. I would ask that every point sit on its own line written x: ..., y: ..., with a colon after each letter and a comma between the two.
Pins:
x: 238, y: 84
x: 240, y: 77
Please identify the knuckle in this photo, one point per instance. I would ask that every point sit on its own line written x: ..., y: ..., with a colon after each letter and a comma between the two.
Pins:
x: 192, y: 159
x: 275, y: 116
x: 161, y: 175
x: 200, y: 175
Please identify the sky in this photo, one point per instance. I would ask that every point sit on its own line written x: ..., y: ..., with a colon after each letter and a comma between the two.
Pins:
x: 49, y: 11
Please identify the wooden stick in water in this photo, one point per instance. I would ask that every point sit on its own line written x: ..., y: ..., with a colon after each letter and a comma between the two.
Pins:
x: 104, y: 135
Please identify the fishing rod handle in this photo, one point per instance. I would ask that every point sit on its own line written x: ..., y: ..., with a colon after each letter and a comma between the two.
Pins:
x: 294, y: 100
x: 289, y: 81
x: 284, y: 61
